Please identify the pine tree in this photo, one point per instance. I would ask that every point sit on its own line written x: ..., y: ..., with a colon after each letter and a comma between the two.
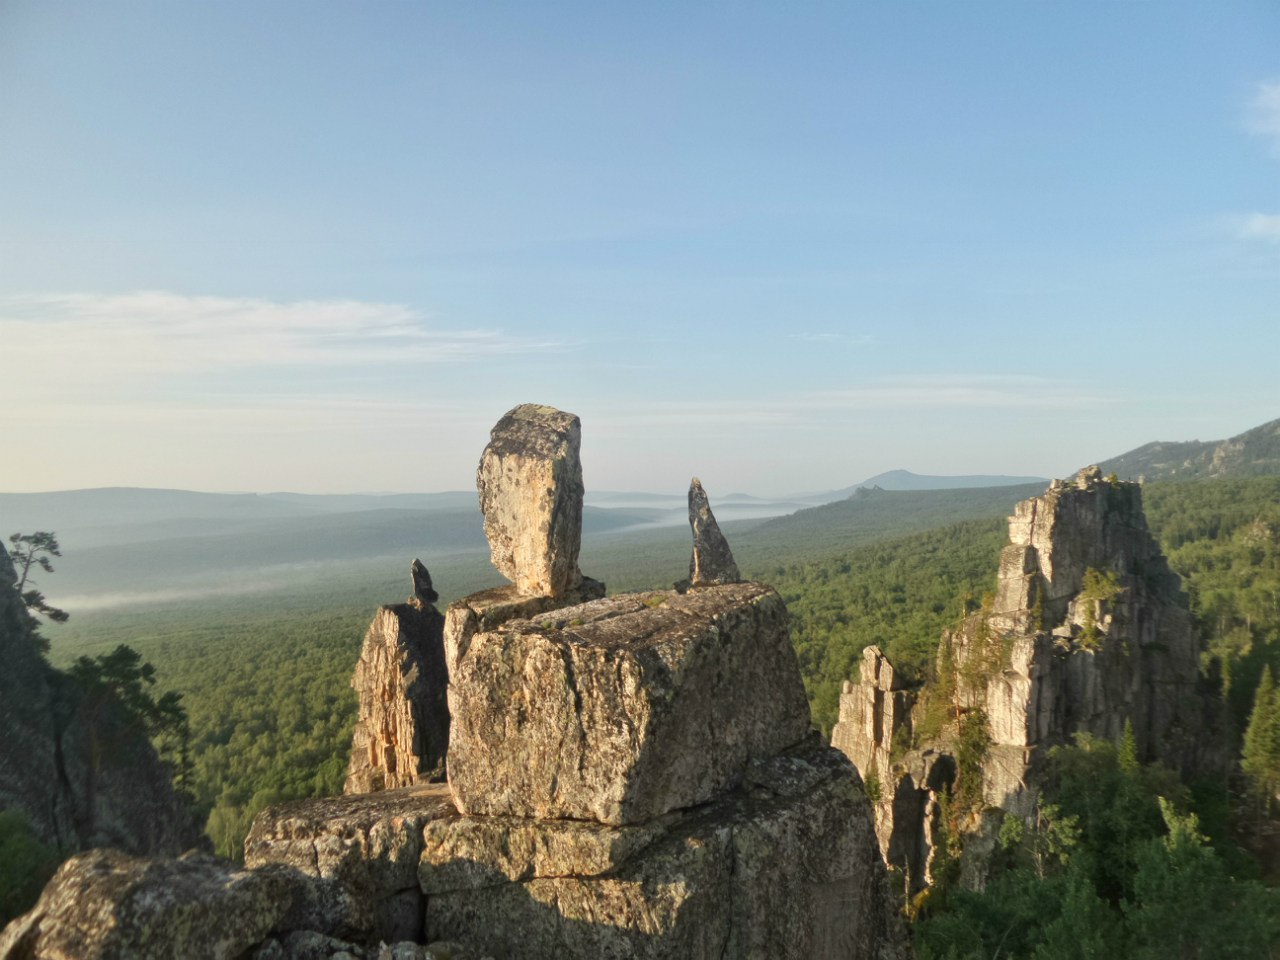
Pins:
x: 1260, y: 758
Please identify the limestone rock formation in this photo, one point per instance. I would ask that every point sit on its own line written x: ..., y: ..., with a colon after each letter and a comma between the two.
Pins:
x: 712, y: 561
x: 402, y: 729
x: 1088, y: 632
x: 603, y: 711
x: 53, y: 765
x: 530, y: 483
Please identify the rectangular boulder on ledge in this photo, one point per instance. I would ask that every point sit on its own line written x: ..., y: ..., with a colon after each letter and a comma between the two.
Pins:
x: 625, y: 708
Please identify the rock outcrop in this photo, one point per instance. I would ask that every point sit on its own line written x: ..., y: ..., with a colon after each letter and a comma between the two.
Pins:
x: 530, y: 483
x: 632, y: 778
x: 623, y: 709
x: 76, y: 766
x: 1087, y: 632
x: 712, y: 561
x: 402, y: 728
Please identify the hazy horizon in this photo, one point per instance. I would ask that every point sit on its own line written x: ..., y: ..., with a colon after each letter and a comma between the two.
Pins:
x: 273, y: 247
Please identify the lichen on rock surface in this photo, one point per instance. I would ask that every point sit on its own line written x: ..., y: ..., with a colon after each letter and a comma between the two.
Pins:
x: 622, y: 709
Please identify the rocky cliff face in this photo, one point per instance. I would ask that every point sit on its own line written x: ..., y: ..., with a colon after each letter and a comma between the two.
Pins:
x: 84, y: 777
x: 631, y: 777
x: 1087, y: 632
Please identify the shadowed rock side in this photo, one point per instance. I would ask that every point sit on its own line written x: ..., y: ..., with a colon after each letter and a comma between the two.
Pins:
x: 81, y: 771
x: 402, y: 729
x: 530, y: 484
x: 712, y: 561
x: 1088, y: 631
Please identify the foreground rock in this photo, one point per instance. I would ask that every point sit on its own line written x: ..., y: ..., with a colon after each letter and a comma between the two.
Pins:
x: 370, y: 844
x: 623, y: 709
x: 107, y: 904
x: 712, y: 561
x: 401, y: 735
x: 785, y: 865
x: 1088, y: 632
x: 530, y: 483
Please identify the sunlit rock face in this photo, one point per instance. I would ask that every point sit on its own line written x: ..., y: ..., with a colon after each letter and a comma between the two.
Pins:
x: 530, y: 483
x: 623, y: 709
x: 1087, y: 632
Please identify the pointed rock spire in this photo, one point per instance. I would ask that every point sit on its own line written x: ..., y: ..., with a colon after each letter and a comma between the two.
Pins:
x: 712, y: 561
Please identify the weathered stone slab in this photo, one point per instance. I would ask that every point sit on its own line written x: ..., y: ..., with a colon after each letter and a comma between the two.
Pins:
x: 490, y: 609
x: 370, y: 843
x: 786, y: 867
x: 530, y: 483
x: 623, y: 709
x: 402, y: 728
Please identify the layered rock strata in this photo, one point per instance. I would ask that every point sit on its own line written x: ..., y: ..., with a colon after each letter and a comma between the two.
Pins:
x: 1087, y: 632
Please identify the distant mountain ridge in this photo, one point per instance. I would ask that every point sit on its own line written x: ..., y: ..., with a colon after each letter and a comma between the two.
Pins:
x: 906, y: 480
x: 1253, y: 453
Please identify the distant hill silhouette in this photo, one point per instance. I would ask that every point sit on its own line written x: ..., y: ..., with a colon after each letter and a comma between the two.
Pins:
x: 906, y: 480
x: 1253, y: 453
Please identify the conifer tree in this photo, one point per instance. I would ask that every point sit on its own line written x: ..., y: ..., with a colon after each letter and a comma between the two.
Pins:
x: 1260, y: 758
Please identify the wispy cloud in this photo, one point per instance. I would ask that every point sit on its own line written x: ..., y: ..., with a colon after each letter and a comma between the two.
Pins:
x: 1262, y: 115
x: 1259, y: 226
x: 155, y: 332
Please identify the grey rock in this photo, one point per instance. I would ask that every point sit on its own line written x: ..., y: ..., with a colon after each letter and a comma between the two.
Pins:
x: 712, y: 561
x: 530, y: 484
x: 369, y: 843
x: 423, y: 591
x: 108, y: 905
x: 784, y: 866
x: 622, y: 709
x: 401, y: 735
x: 490, y: 609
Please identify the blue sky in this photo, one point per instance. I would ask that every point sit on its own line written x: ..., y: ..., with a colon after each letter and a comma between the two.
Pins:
x: 323, y: 246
